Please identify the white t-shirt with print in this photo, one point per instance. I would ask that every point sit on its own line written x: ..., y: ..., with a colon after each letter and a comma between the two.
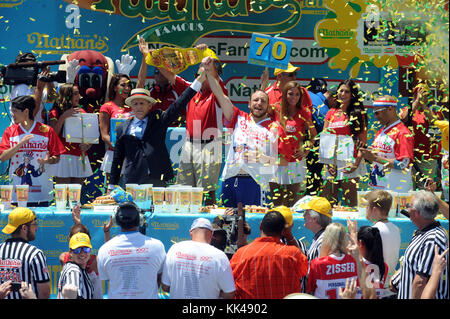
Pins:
x: 131, y: 262
x: 197, y: 270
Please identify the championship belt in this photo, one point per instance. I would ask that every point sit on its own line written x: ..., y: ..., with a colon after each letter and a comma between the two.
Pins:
x: 177, y: 60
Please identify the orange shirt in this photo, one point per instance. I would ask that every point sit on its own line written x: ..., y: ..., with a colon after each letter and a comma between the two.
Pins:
x: 268, y: 269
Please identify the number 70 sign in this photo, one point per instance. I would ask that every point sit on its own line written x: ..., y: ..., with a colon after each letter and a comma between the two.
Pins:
x: 269, y: 51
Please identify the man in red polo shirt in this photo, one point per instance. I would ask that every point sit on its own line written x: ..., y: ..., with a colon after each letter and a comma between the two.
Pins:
x: 275, y: 91
x: 201, y: 156
x: 267, y: 268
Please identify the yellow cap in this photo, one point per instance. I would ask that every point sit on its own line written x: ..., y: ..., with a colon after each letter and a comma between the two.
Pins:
x: 286, y: 212
x: 443, y: 126
x: 17, y: 217
x: 290, y: 68
x: 320, y: 205
x: 79, y: 240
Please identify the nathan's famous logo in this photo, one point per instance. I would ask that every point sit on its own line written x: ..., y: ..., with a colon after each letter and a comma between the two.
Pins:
x: 65, y: 44
x: 165, y: 226
x: 189, y: 20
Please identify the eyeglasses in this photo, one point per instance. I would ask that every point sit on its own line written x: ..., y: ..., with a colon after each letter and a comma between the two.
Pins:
x: 78, y: 250
x: 290, y: 74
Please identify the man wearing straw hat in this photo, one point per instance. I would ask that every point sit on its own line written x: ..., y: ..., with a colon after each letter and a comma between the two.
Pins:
x: 141, y: 139
x: 391, y: 152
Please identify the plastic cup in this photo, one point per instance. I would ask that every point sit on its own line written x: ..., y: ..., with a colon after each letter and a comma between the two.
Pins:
x: 158, y: 196
x: 197, y: 199
x: 185, y: 198
x: 362, y: 202
x: 131, y: 188
x: 141, y: 195
x: 22, y: 195
x: 403, y: 199
x: 61, y: 196
x: 149, y: 191
x: 6, y: 195
x: 74, y: 191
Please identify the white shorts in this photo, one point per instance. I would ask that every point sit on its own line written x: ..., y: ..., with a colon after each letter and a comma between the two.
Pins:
x: 293, y: 173
x: 71, y: 166
x: 107, y: 161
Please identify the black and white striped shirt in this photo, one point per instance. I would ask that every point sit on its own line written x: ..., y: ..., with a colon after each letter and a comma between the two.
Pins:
x: 312, y: 253
x: 418, y: 260
x: 21, y: 261
x: 74, y: 275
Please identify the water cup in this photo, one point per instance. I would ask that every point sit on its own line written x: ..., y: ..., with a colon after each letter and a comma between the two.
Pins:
x: 61, y: 196
x: 149, y: 190
x: 6, y: 195
x: 140, y: 195
x: 170, y: 198
x: 362, y: 202
x: 197, y: 199
x: 185, y: 198
x: 74, y: 191
x: 158, y: 199
x: 131, y: 188
x: 22, y: 195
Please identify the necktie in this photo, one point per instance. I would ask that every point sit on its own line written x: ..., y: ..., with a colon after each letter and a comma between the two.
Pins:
x: 139, y: 131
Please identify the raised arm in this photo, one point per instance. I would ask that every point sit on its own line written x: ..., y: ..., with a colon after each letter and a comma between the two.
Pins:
x: 143, y: 47
x: 213, y: 80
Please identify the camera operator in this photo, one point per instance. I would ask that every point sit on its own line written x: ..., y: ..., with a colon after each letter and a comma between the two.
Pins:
x: 40, y: 85
x: 230, y: 231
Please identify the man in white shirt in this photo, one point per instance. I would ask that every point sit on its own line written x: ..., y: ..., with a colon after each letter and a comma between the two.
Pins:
x: 379, y: 203
x: 195, y: 269
x: 131, y: 261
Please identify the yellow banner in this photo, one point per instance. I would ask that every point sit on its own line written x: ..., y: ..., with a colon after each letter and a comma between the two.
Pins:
x: 177, y: 60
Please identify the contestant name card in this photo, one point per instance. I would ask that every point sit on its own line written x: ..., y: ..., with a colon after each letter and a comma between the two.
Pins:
x: 269, y: 51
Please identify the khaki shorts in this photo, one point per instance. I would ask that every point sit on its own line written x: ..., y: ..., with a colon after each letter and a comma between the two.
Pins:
x: 200, y: 164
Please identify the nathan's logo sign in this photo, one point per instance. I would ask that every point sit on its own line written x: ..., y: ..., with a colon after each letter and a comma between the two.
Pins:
x: 189, y: 20
x: 66, y: 44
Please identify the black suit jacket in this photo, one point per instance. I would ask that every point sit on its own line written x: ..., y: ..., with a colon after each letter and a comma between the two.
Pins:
x: 150, y: 153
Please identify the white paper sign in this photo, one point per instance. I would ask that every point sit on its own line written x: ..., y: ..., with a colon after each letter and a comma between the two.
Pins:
x: 82, y: 128
x: 344, y: 150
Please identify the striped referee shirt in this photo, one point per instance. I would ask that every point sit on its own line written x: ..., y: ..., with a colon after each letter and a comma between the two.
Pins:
x: 21, y: 261
x: 312, y: 253
x: 418, y: 260
x: 72, y: 274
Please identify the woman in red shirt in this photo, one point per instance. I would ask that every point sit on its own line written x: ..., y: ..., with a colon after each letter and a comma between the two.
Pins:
x: 294, y: 115
x: 119, y: 90
x: 347, y: 118
x: 73, y: 166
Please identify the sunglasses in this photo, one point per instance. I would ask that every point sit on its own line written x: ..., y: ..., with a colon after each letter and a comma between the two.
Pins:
x: 290, y: 74
x: 78, y: 250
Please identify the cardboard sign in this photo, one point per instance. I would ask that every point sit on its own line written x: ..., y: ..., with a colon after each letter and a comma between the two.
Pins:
x: 82, y: 128
x: 269, y: 51
x: 114, y: 125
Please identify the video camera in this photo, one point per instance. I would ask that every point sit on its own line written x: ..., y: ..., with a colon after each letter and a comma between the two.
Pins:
x: 26, y: 71
x: 225, y: 235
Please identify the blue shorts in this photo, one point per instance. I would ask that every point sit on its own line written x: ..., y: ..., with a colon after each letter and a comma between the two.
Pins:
x: 242, y: 189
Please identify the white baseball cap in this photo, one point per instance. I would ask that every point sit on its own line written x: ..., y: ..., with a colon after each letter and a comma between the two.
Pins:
x: 201, y: 223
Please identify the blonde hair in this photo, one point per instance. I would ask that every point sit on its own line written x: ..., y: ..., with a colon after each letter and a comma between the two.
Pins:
x: 334, y: 240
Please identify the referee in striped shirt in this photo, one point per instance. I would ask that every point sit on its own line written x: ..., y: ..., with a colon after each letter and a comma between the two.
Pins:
x: 21, y: 261
x: 417, y: 263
